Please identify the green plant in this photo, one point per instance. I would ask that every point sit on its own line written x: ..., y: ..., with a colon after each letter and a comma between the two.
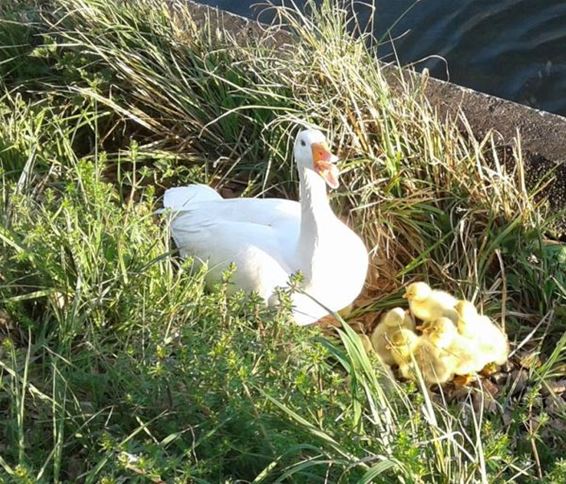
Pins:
x: 116, y: 362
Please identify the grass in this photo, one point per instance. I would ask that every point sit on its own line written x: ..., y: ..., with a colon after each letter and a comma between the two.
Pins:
x: 116, y: 363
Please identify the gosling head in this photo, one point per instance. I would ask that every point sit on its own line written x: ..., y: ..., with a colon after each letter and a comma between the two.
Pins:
x: 312, y: 153
x: 465, y: 310
x: 402, y: 342
x: 466, y: 314
x: 425, y: 327
x: 394, y: 317
x: 441, y: 332
x: 417, y: 291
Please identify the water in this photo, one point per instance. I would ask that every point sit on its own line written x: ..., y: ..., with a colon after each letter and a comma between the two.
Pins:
x: 514, y: 49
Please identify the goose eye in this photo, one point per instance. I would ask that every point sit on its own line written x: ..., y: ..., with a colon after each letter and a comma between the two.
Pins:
x: 303, y: 143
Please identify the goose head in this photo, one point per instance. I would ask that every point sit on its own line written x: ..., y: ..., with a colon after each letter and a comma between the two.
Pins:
x: 312, y: 153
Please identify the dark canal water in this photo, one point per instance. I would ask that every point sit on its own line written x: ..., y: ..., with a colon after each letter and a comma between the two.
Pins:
x: 514, y: 49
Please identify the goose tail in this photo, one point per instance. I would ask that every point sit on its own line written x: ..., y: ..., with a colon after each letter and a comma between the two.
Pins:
x: 179, y: 198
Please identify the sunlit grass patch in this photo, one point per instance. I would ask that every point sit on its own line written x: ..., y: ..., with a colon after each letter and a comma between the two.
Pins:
x: 116, y: 363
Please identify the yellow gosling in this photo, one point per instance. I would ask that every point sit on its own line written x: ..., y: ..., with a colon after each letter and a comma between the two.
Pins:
x: 409, y: 350
x: 461, y: 354
x: 491, y: 341
x: 429, y: 304
x: 393, y: 320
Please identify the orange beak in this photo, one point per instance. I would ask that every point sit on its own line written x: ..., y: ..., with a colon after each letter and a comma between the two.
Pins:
x: 324, y: 164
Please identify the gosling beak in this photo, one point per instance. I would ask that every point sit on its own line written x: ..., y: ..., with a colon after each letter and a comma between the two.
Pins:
x: 405, y: 296
x: 324, y: 163
x: 419, y: 327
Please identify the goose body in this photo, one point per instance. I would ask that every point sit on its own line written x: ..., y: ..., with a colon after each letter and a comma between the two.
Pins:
x: 270, y: 239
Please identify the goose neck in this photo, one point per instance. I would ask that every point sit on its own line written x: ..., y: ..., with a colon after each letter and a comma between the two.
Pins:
x: 314, y: 200
x: 316, y: 223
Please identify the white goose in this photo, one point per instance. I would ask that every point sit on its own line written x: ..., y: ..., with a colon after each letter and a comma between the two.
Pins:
x: 271, y: 239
